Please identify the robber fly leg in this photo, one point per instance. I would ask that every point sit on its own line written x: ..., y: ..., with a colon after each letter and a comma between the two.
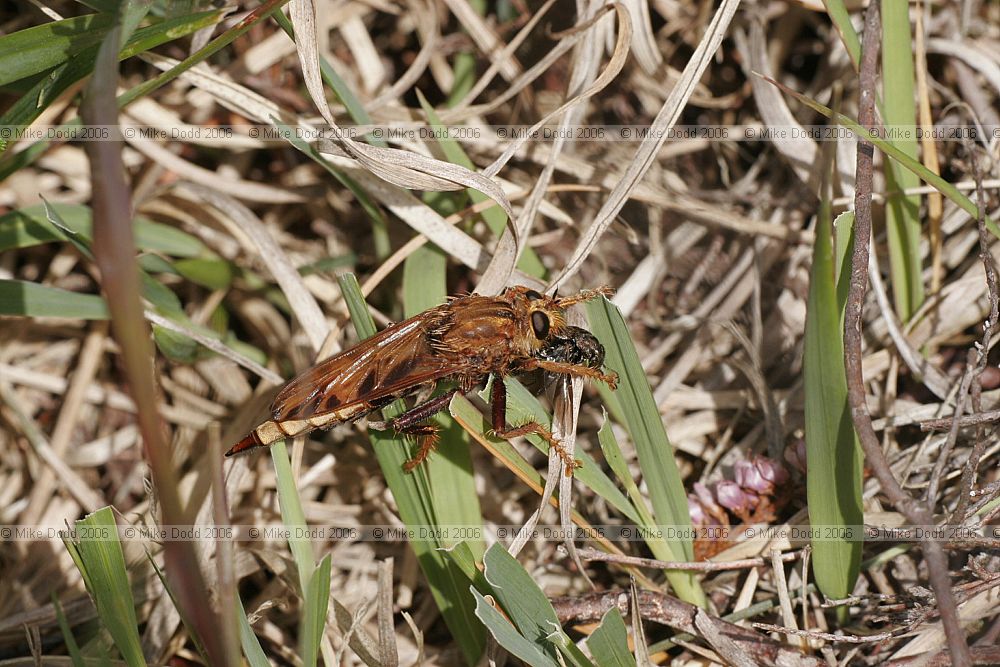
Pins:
x: 574, y: 370
x: 413, y: 422
x: 498, y: 399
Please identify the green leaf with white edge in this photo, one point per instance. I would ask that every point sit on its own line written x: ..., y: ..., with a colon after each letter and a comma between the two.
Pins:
x: 463, y: 557
x: 523, y: 407
x: 248, y: 639
x: 102, y: 564
x: 415, y: 499
x: 833, y: 455
x: 521, y: 599
x: 507, y: 636
x: 609, y: 642
x: 644, y: 423
x: 27, y: 299
x: 40, y: 47
x: 314, y: 614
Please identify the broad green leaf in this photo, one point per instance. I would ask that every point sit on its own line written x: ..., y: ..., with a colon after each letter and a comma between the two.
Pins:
x: 216, y: 274
x: 40, y: 47
x: 27, y: 299
x: 834, y: 461
x: 100, y: 560
x: 521, y: 600
x: 174, y: 345
x: 609, y: 642
x: 31, y: 226
x: 508, y: 636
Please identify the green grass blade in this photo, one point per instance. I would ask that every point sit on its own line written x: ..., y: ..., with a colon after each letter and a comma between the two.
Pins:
x: 521, y: 600
x: 292, y: 515
x: 27, y: 299
x: 899, y: 111
x: 317, y: 599
x: 100, y: 560
x: 454, y: 500
x: 41, y: 47
x: 644, y: 424
x: 609, y: 642
x: 523, y: 407
x: 925, y: 174
x: 67, y: 632
x: 248, y: 639
x: 834, y: 461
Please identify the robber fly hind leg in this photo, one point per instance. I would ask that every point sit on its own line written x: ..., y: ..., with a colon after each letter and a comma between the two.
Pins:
x: 498, y: 399
x: 412, y: 422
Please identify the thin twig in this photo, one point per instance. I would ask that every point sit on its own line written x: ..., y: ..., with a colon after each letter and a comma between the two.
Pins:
x: 975, y: 419
x: 983, y: 349
x: 937, y: 564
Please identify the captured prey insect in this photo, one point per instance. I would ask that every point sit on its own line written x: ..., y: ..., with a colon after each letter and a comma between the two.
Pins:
x: 466, y: 340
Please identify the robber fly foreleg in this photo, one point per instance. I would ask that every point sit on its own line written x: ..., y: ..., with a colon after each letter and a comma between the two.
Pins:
x: 573, y: 370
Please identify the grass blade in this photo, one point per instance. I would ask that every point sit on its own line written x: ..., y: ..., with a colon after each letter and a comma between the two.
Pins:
x: 609, y: 642
x: 27, y: 299
x: 644, y: 424
x: 902, y: 213
x: 102, y: 564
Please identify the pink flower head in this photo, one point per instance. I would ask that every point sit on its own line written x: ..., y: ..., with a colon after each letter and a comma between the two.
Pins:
x: 702, y: 508
x: 760, y: 476
x: 734, y: 498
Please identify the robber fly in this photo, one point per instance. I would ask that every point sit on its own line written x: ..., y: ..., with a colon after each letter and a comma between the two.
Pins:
x: 466, y: 340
